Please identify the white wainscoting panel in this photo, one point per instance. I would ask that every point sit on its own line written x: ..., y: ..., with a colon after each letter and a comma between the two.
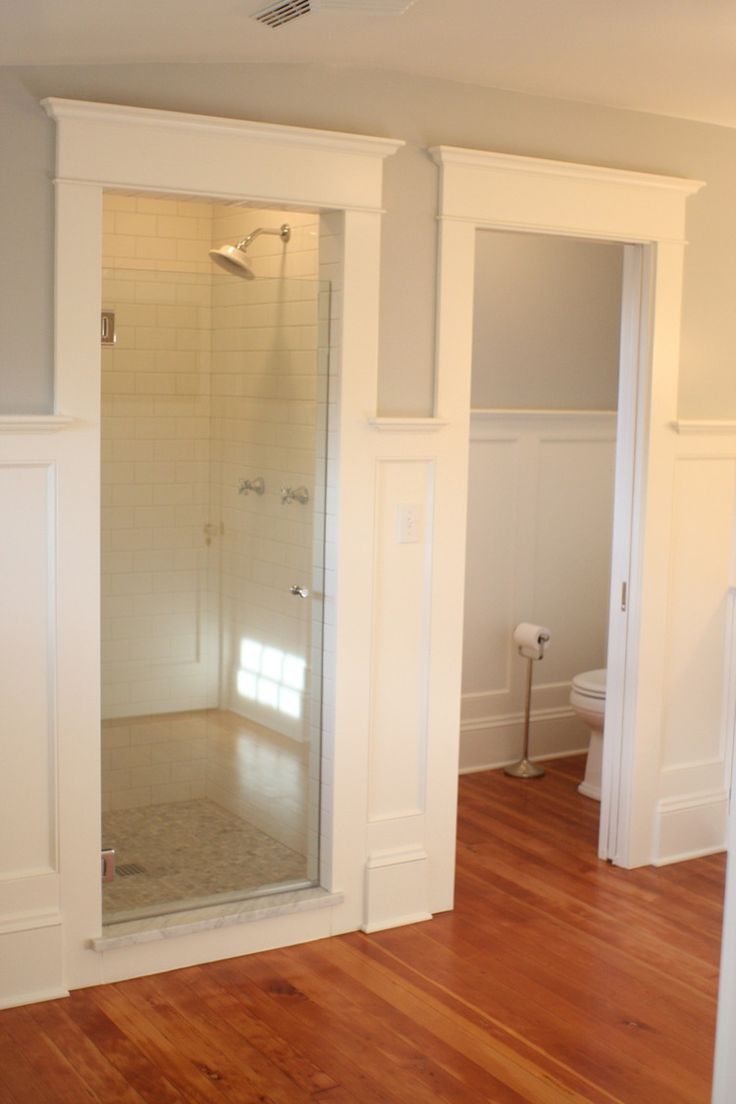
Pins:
x: 30, y: 922
x: 700, y: 568
x: 406, y: 870
x: 27, y: 821
x: 699, y: 709
x: 691, y: 826
x: 540, y: 506
x: 401, y: 611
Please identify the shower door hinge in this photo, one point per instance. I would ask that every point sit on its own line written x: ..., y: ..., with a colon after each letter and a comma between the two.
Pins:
x: 107, y: 865
x: 107, y: 327
x: 624, y: 596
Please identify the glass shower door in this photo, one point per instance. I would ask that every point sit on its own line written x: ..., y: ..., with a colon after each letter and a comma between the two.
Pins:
x: 269, y: 436
x: 232, y: 808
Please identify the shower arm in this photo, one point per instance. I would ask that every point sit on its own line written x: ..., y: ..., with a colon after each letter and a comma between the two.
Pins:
x: 284, y: 232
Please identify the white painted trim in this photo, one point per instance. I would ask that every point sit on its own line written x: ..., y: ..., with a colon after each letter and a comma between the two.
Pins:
x: 681, y: 820
x: 568, y: 170
x: 39, y: 997
x: 396, y: 856
x: 100, y: 146
x: 560, y: 230
x: 34, y: 423
x: 503, y: 720
x: 480, y: 189
x: 257, y: 162
x: 31, y: 922
x: 396, y: 879
x: 213, y: 195
x: 724, y: 1068
x: 704, y: 427
x: 407, y: 425
x: 489, y: 414
x: 488, y: 189
x: 401, y: 921
x: 532, y: 758
x: 574, y: 425
x: 693, y: 764
x: 112, y: 114
x: 490, y: 742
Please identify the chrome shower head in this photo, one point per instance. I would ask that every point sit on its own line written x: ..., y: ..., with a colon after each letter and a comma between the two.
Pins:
x: 232, y: 257
x: 233, y: 260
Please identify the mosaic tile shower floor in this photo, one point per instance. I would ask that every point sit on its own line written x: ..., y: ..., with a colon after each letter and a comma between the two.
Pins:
x: 191, y: 853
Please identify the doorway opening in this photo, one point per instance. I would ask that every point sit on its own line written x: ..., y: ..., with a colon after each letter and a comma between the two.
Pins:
x: 542, y: 465
x: 214, y: 467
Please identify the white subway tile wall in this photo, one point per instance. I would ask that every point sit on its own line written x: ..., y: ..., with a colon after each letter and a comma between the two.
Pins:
x: 158, y: 635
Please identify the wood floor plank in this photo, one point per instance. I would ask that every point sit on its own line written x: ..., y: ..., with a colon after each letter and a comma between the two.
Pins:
x: 573, y: 918
x: 18, y: 1081
x: 541, y: 1015
x: 207, y: 1062
x: 239, y: 1062
x: 91, y: 1066
x: 329, y: 969
x: 53, y: 1068
x: 138, y: 1071
x: 344, y: 1044
x: 186, y: 1070
x: 225, y: 1004
x: 510, y: 1072
x: 557, y: 979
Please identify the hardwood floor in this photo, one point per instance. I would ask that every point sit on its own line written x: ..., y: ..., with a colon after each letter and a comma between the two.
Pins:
x: 556, y: 980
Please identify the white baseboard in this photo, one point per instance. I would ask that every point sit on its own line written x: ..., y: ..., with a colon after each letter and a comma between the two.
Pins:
x: 690, y: 827
x: 397, y: 889
x: 31, y: 965
x: 20, y: 999
x: 492, y: 742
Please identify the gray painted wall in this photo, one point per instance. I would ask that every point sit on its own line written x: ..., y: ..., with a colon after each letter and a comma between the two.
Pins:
x: 546, y: 322
x: 419, y: 110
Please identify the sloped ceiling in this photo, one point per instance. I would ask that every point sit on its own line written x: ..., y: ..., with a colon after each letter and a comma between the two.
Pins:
x: 672, y: 57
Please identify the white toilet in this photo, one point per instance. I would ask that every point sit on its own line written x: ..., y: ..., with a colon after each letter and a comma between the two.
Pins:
x: 588, y: 699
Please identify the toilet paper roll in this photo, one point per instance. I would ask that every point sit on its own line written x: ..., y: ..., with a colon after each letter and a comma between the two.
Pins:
x: 531, y: 639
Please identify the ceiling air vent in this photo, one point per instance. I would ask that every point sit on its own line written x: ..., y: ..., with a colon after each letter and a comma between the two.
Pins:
x: 286, y: 11
x: 283, y: 11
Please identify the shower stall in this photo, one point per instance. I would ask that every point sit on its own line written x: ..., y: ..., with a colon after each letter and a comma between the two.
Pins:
x: 214, y: 467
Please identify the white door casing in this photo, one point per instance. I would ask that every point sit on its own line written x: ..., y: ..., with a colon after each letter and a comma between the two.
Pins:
x: 52, y: 917
x: 497, y: 191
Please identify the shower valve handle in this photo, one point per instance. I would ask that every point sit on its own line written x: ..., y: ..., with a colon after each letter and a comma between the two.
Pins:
x: 256, y: 485
x: 294, y: 494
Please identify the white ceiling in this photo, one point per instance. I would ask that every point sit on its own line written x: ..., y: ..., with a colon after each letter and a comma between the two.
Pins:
x: 672, y: 57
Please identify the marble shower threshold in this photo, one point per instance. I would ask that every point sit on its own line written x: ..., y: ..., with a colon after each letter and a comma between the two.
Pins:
x: 127, y: 933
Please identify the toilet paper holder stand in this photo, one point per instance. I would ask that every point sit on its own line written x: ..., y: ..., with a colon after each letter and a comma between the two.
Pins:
x: 525, y: 769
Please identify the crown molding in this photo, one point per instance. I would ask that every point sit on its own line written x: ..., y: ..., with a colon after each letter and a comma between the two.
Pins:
x: 328, y: 140
x: 538, y: 166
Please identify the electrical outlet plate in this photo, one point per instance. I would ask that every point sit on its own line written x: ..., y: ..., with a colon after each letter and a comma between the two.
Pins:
x: 408, y: 523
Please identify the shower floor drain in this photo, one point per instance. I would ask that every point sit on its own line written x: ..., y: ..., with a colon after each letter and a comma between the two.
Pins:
x: 124, y: 870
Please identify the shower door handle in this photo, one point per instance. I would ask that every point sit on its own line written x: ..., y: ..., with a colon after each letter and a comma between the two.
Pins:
x: 298, y: 591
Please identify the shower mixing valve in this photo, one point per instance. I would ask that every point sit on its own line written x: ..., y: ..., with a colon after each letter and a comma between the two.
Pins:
x: 294, y: 494
x: 256, y: 485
